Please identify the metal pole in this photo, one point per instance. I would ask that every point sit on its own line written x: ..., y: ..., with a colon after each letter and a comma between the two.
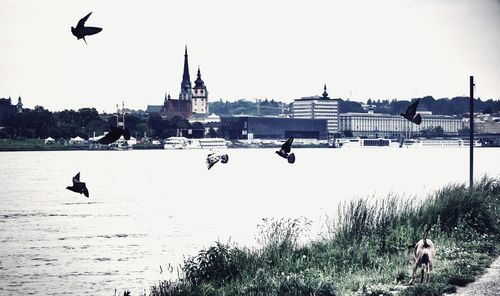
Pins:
x: 471, y: 136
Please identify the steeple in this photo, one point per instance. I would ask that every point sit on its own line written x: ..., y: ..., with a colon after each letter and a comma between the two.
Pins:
x: 198, y: 83
x: 186, y: 80
x: 19, y: 106
x: 325, y: 94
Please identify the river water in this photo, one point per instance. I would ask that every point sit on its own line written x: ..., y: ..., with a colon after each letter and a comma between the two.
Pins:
x: 152, y: 208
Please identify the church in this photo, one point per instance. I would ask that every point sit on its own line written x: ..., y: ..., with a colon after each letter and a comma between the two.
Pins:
x: 192, y: 100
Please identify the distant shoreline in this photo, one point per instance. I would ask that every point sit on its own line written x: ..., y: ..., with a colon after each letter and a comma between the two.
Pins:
x: 7, y: 145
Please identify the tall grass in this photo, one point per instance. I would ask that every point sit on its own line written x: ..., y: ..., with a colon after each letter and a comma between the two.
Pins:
x: 366, y: 251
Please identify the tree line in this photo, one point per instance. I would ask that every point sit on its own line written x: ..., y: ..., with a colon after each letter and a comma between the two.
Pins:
x: 445, y: 106
x: 42, y: 123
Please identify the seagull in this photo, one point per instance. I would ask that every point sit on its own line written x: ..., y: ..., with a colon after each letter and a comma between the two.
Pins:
x: 411, y: 111
x: 80, y: 31
x: 214, y: 158
x: 285, y: 150
x: 114, y: 134
x: 78, y: 186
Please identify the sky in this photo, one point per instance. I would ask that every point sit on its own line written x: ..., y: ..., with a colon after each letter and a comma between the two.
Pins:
x: 258, y: 49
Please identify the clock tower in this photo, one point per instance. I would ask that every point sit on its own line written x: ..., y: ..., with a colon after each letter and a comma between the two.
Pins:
x: 200, y: 96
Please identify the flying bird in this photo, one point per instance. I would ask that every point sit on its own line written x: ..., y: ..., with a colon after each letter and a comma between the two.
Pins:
x: 81, y: 31
x: 214, y: 158
x: 115, y: 134
x: 78, y: 186
x: 411, y: 111
x: 285, y: 151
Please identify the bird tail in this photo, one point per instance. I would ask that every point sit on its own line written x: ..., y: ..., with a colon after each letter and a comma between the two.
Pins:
x: 84, y: 40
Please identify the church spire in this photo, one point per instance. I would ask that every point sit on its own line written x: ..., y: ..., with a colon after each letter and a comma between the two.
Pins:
x: 198, y: 83
x: 186, y: 80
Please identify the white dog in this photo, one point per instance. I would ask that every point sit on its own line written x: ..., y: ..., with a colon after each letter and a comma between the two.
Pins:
x: 423, y: 256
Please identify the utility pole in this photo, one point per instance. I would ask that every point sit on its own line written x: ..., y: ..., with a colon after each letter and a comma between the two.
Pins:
x: 471, y: 136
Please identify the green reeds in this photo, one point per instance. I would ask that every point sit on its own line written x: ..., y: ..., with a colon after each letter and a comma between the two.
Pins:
x: 366, y: 250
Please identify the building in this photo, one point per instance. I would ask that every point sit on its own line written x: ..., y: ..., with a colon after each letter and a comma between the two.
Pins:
x: 318, y: 107
x: 7, y: 110
x: 253, y: 127
x: 387, y: 125
x: 186, y: 90
x: 191, y: 100
x: 485, y: 124
x: 200, y: 96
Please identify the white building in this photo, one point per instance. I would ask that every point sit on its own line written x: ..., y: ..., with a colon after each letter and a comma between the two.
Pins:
x: 318, y: 107
x: 387, y: 125
x: 200, y: 96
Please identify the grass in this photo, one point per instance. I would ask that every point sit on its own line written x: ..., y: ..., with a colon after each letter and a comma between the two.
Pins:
x: 33, y: 145
x: 366, y: 250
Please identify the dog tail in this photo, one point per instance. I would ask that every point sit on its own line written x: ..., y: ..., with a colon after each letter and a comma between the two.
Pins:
x: 426, y: 232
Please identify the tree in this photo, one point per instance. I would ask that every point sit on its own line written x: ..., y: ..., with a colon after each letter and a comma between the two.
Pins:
x: 348, y: 133
x: 143, y: 129
x: 464, y: 131
x: 350, y: 106
x: 437, y: 131
x: 98, y: 126
x: 198, y: 130
x: 86, y: 115
x: 157, y: 124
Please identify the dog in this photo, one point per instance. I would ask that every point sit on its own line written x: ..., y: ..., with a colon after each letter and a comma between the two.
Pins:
x: 424, y: 253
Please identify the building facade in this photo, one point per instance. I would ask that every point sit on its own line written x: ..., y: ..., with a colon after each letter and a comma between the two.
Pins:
x: 485, y: 124
x: 200, y: 96
x: 387, y: 125
x: 245, y: 127
x: 321, y: 107
x: 171, y: 108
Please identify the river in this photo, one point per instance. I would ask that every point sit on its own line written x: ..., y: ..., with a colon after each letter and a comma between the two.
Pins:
x: 153, y: 207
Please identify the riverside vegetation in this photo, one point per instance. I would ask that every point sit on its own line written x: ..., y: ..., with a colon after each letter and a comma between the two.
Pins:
x: 366, y: 249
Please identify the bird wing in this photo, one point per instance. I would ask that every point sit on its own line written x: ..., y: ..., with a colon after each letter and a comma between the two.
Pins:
x: 288, y: 145
x: 76, y: 178
x: 412, y: 109
x: 405, y: 116
x: 211, y: 161
x: 112, y: 136
x: 81, y: 22
x: 126, y: 134
x: 418, y: 119
x: 90, y: 30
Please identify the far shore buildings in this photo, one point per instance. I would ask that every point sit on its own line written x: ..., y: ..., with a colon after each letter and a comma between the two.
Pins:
x: 388, y: 125
x: 319, y: 107
x: 246, y: 127
x: 7, y: 109
x: 192, y: 100
x: 485, y: 124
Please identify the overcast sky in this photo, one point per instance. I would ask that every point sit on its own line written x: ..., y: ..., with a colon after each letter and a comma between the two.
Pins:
x: 247, y: 49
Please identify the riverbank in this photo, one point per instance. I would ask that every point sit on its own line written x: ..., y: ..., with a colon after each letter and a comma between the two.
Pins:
x: 36, y: 145
x: 39, y: 145
x: 366, y: 250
